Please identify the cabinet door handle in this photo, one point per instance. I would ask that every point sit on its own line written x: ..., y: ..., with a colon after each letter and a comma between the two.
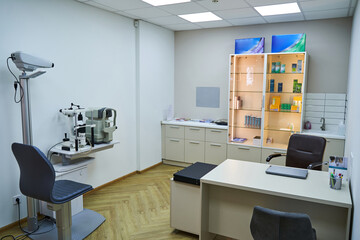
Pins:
x: 195, y: 129
x: 243, y: 148
x: 174, y: 140
x: 174, y: 127
x: 215, y: 145
x: 194, y: 142
x: 217, y: 131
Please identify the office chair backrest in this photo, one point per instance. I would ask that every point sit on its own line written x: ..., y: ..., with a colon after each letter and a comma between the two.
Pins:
x: 267, y: 224
x: 37, y: 175
x: 304, y: 150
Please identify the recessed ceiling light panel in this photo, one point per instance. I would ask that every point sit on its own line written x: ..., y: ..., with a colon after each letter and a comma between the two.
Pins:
x: 278, y: 9
x: 200, y: 17
x: 164, y: 2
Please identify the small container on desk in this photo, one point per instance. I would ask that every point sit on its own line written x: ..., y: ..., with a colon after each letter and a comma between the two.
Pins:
x: 335, y: 182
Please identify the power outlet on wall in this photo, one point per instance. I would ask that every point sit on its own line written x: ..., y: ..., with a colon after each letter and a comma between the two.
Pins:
x: 14, y: 199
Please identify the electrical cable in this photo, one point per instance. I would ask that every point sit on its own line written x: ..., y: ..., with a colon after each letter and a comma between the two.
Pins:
x: 27, y: 234
x: 17, y: 82
x: 47, y: 155
x: 12, y: 237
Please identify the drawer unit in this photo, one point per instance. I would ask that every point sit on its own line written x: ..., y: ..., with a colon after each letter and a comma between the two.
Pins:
x: 334, y: 147
x: 173, y: 131
x: 215, y: 153
x: 194, y: 151
x: 216, y: 135
x: 195, y: 133
x: 246, y: 153
x: 185, y: 207
x: 275, y: 161
x: 163, y: 142
x: 175, y: 149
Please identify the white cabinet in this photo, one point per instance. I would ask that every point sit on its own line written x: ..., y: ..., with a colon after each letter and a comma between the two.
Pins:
x: 215, y: 153
x: 216, y: 135
x: 174, y: 143
x: 163, y: 145
x: 173, y: 131
x: 245, y: 153
x: 215, y: 146
x: 195, y: 133
x: 189, y: 144
x: 175, y: 149
x: 194, y: 144
x: 194, y: 151
x: 185, y: 207
x: 265, y: 152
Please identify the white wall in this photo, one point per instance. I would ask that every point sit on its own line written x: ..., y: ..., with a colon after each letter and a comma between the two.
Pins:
x: 94, y: 52
x: 352, y: 142
x: 202, y: 59
x: 156, y: 92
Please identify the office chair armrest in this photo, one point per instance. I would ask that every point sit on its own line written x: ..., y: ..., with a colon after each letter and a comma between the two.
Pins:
x: 274, y: 155
x: 317, y: 164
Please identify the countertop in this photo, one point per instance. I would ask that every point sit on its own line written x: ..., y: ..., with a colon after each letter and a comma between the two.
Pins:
x: 194, y: 124
x: 325, y: 134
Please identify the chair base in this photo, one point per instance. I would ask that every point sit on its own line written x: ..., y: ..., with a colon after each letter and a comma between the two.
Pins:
x: 83, y: 224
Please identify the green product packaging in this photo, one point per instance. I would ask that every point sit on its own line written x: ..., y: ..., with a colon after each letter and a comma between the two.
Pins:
x: 277, y: 67
x: 295, y: 85
x: 273, y: 67
x: 298, y: 88
x: 282, y: 69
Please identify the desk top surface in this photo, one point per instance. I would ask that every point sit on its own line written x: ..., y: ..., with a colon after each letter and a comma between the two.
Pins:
x: 251, y: 176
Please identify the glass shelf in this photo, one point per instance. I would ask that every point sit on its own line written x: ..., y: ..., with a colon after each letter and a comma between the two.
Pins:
x: 281, y: 112
x: 246, y: 91
x: 244, y: 109
x: 275, y: 145
x: 245, y: 143
x: 247, y: 73
x: 252, y: 128
x: 267, y: 92
x: 285, y: 73
x: 282, y: 130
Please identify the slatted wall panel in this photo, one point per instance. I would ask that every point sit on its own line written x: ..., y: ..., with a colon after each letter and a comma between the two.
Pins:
x: 331, y: 106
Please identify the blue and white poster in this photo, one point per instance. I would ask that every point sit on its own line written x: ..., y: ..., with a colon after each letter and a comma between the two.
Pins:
x: 249, y: 45
x: 288, y: 43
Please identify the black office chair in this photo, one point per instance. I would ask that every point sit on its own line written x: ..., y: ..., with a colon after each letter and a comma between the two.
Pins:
x: 37, y: 180
x: 304, y: 151
x: 268, y: 224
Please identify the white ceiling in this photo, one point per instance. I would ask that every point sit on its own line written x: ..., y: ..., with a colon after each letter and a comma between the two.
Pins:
x: 233, y: 12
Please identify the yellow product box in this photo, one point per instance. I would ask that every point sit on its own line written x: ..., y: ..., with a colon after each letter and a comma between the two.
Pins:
x: 275, y: 103
x: 297, y: 104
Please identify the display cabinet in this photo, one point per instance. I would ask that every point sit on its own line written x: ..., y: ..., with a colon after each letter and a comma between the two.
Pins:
x: 285, y: 84
x: 266, y: 98
x: 246, y: 98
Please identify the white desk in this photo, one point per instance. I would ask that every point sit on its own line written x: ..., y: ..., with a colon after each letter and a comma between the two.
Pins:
x: 230, y: 192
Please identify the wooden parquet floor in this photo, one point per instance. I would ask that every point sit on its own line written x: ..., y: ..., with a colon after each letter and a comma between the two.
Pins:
x: 137, y: 207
